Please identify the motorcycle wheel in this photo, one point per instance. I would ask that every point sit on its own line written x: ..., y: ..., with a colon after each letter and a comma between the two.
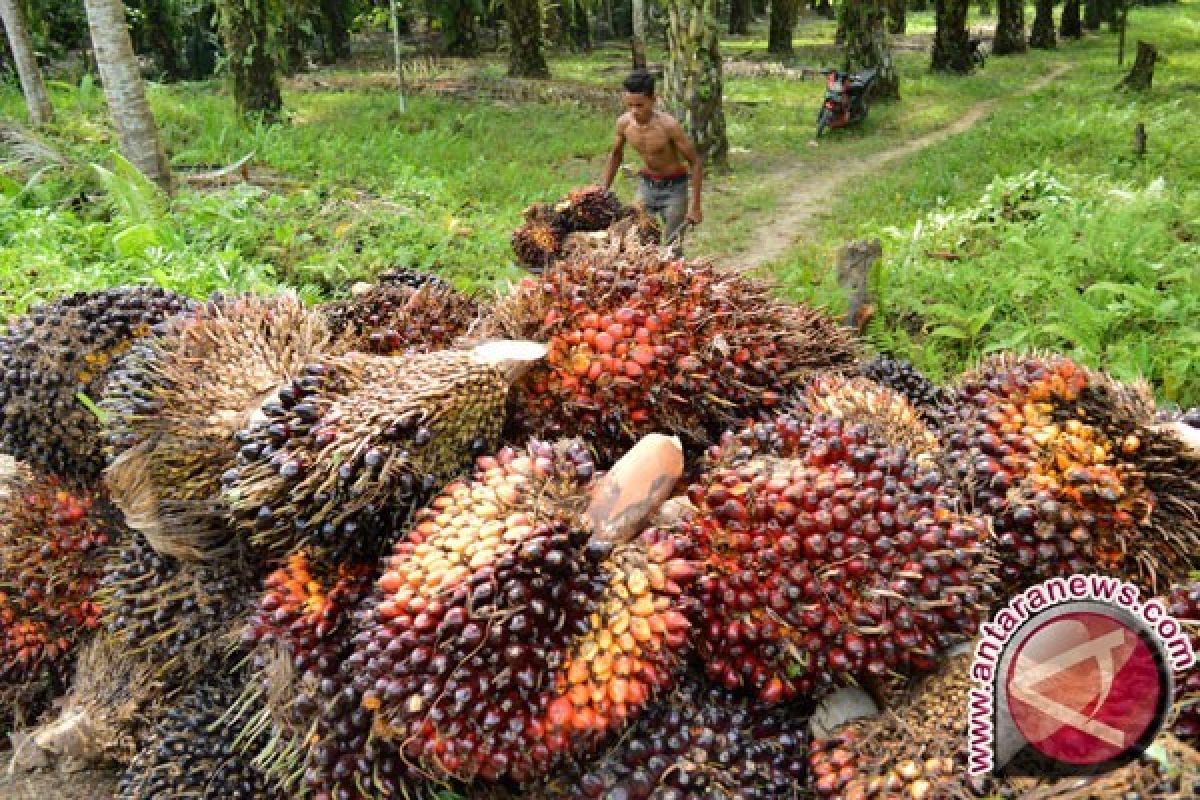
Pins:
x: 823, y: 121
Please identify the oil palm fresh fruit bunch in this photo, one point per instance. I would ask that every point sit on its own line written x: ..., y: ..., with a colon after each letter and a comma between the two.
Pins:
x: 1075, y: 472
x: 514, y: 626
x: 887, y: 414
x: 54, y: 362
x: 393, y: 320
x: 190, y: 754
x: 1183, y: 603
x: 538, y: 242
x: 411, y: 278
x: 177, y: 401
x: 697, y: 742
x: 52, y: 545
x: 297, y: 638
x: 638, y: 343
x: 344, y: 452
x: 829, y: 558
x: 901, y: 376
x: 592, y: 208
x: 916, y: 751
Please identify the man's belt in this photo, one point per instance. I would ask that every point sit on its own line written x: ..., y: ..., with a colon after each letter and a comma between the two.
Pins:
x: 664, y: 182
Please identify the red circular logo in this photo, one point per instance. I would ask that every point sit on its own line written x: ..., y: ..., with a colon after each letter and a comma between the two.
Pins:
x: 1084, y: 688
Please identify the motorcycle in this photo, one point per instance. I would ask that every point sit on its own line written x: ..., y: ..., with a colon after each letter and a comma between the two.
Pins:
x: 845, y: 98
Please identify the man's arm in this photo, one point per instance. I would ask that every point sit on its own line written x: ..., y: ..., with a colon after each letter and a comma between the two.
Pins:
x: 615, y: 157
x: 688, y: 151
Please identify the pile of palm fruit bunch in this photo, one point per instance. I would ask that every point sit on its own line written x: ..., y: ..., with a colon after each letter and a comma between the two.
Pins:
x: 541, y: 240
x: 617, y: 532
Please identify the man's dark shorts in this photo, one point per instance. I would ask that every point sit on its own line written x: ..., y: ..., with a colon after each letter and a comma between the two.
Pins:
x: 666, y: 198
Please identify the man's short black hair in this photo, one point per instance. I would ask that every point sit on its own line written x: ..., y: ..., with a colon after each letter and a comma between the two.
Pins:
x: 640, y: 82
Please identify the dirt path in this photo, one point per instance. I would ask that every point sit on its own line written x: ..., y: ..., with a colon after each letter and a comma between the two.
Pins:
x: 812, y: 191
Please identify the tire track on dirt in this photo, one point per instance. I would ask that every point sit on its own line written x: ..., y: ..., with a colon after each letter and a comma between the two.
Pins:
x: 813, y: 192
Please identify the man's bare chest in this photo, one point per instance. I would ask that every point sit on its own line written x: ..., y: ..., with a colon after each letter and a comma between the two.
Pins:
x: 649, y: 139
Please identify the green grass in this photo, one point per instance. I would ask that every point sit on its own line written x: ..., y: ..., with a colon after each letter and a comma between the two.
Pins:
x: 1107, y: 273
x: 355, y: 187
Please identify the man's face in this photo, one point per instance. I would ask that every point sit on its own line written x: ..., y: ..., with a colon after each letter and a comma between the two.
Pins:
x: 640, y: 106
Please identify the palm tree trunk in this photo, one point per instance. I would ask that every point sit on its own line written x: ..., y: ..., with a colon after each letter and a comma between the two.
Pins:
x: 1042, y: 35
x: 245, y: 30
x: 693, y: 76
x: 951, y: 52
x: 525, y: 59
x: 124, y: 90
x: 1010, y: 27
x: 638, y: 40
x: 867, y: 46
x: 1071, y: 26
x: 36, y: 98
x: 1091, y: 15
x: 782, y: 23
x: 896, y: 22
x: 740, y: 12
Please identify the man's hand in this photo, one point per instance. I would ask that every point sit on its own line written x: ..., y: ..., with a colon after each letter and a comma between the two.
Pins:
x: 695, y: 217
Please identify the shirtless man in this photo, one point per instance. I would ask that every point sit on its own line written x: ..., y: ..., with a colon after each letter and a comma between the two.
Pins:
x: 666, y: 153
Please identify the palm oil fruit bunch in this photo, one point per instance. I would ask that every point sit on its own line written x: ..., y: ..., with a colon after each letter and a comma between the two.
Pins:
x: 829, y: 558
x: 913, y: 752
x: 345, y: 451
x: 900, y: 376
x: 592, y: 208
x: 887, y: 414
x: 179, y: 398
x: 191, y: 755
x: 297, y: 638
x: 391, y: 320
x: 175, y: 615
x: 1183, y: 603
x: 514, y: 626
x: 1074, y: 472
x: 53, y: 542
x: 54, y: 362
x: 638, y: 343
x: 411, y: 278
x: 539, y: 241
x: 699, y: 743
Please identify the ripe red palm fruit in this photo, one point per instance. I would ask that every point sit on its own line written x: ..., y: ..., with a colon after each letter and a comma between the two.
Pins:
x: 1074, y: 472
x: 638, y: 343
x: 297, y: 637
x: 394, y: 320
x: 505, y: 634
x: 888, y: 415
x: 1183, y: 603
x: 698, y: 742
x: 53, y: 542
x: 829, y: 558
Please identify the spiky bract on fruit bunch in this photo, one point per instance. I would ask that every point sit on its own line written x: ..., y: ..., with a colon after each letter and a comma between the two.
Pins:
x: 539, y: 241
x: 391, y: 320
x: 1074, y: 472
x: 177, y: 401
x: 52, y: 546
x: 1183, y: 603
x: 592, y: 208
x: 297, y: 638
x: 639, y: 343
x: 899, y: 375
x: 346, y: 451
x: 916, y: 751
x: 55, y: 360
x: 504, y: 635
x: 887, y: 414
x: 829, y: 558
x: 699, y: 743
x: 190, y: 755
